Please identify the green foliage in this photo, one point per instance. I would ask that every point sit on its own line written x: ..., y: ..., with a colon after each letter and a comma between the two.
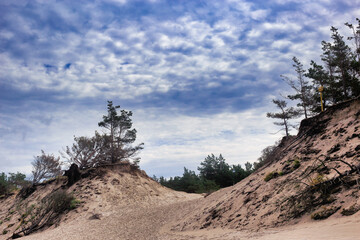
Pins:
x: 4, y: 184
x: 121, y: 135
x: 27, y: 211
x: 269, y: 176
x: 215, y: 173
x: 11, y: 182
x: 74, y: 203
x: 189, y: 182
x: 217, y: 170
x: 17, y: 179
x: 301, y: 87
x: 45, y: 213
x: 267, y: 155
x: 59, y: 201
x: 339, y: 74
x: 113, y: 146
x: 272, y: 175
x: 296, y: 164
x: 341, y: 71
x: 284, y: 115
x: 317, y: 180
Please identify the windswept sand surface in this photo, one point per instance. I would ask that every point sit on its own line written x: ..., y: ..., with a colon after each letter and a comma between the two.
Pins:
x: 154, y: 223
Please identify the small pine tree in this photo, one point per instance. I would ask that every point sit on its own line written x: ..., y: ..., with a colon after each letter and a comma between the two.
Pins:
x: 284, y: 115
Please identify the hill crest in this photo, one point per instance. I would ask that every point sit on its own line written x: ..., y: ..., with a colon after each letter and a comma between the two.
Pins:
x: 313, y: 175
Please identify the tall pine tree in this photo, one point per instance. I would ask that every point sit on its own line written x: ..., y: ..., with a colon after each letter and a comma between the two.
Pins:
x: 121, y: 134
x: 301, y: 87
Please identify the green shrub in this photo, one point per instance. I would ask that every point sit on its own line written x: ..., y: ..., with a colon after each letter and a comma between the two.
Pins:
x: 317, y: 180
x: 272, y: 175
x: 296, y: 163
x: 60, y: 201
x: 269, y: 176
x: 27, y: 211
x: 74, y: 203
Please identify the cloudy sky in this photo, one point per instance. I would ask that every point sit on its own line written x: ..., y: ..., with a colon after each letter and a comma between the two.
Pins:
x: 198, y: 75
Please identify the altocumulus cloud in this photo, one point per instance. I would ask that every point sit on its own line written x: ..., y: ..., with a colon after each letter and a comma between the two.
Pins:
x: 199, y: 75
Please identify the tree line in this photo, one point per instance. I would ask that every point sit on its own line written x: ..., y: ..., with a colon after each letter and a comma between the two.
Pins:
x: 113, y: 145
x: 214, y: 173
x: 338, y: 78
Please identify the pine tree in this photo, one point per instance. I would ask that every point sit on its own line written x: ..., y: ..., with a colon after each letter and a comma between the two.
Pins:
x: 284, y: 115
x: 342, y: 56
x: 301, y: 87
x: 319, y: 78
x: 121, y: 135
x: 355, y: 59
x: 208, y: 167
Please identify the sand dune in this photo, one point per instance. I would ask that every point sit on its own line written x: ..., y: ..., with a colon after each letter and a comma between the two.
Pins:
x: 122, y: 202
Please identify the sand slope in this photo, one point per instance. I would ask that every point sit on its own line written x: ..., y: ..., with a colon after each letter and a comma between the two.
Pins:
x: 254, y: 204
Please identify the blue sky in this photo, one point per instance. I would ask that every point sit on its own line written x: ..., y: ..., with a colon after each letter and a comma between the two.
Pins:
x: 199, y: 76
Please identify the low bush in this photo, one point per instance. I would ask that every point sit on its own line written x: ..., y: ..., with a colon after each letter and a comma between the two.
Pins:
x: 74, y: 203
x: 269, y: 176
x: 60, y: 201
x: 324, y: 213
x: 317, y: 180
x: 34, y: 218
x: 296, y: 163
x: 272, y: 175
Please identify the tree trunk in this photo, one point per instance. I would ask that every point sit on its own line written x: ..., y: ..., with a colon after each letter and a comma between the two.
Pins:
x: 286, y: 128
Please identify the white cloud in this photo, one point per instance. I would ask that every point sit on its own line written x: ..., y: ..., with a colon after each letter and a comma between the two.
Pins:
x: 280, y: 44
x: 259, y: 14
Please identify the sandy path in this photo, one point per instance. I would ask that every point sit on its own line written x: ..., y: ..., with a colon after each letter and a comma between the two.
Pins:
x: 151, y: 223
x: 132, y: 222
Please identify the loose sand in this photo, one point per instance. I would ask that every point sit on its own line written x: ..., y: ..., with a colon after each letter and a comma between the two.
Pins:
x: 155, y: 223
